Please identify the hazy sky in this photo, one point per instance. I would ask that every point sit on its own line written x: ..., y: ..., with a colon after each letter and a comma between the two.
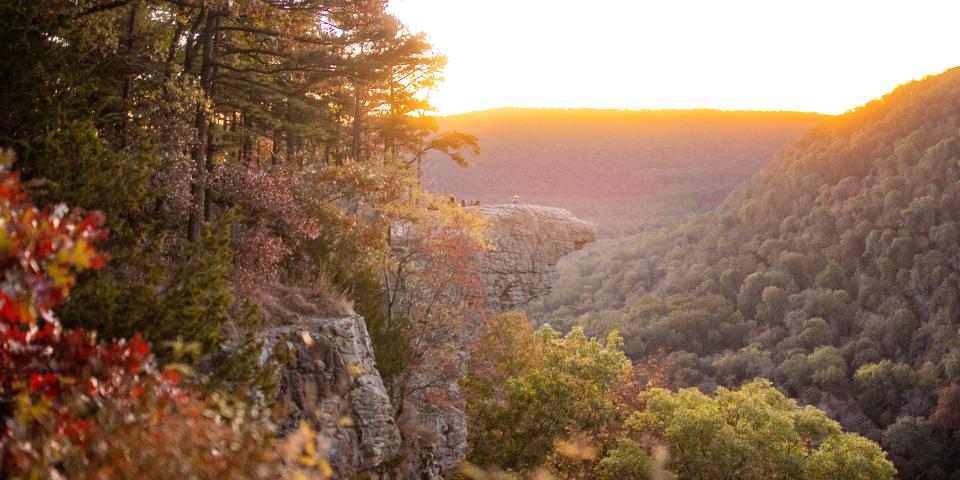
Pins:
x: 813, y: 55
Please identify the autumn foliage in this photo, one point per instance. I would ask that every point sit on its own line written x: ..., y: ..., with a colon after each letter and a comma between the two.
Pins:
x: 74, y: 406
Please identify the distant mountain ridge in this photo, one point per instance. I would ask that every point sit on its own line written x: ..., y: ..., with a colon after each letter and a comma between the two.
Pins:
x: 626, y: 170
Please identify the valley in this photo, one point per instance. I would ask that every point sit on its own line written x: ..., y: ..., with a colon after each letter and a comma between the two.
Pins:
x: 626, y: 171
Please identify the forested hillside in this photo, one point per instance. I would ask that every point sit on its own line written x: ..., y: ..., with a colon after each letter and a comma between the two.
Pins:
x: 627, y: 171
x: 834, y: 272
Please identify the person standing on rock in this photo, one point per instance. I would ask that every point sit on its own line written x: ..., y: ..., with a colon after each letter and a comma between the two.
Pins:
x: 516, y: 200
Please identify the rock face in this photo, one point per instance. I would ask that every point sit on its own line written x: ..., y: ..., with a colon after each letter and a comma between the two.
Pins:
x: 331, y: 380
x: 441, y: 438
x: 527, y: 242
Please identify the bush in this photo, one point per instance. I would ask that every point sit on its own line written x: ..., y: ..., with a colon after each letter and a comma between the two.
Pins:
x: 77, y: 407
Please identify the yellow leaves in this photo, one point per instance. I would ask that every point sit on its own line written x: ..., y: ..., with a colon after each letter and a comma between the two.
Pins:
x: 6, y: 158
x: 543, y: 474
x: 471, y: 471
x: 78, y: 257
x: 6, y: 244
x: 180, y: 349
x: 355, y: 370
x: 345, y: 422
x: 474, y: 472
x: 69, y: 260
x: 642, y: 421
x: 306, y: 441
x: 28, y: 410
x: 577, y: 449
x: 60, y: 275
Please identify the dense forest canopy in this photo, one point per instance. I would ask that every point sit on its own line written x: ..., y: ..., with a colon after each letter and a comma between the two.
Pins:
x: 626, y: 171
x: 834, y: 272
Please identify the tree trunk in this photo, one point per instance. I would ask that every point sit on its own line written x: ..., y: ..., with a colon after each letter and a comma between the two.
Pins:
x: 128, y: 76
x: 211, y: 94
x: 291, y: 148
x: 202, y: 124
x: 336, y: 138
x: 275, y: 148
x: 358, y: 114
x: 189, y: 49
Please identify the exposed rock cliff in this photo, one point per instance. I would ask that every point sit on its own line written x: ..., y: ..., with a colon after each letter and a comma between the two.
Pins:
x: 527, y: 242
x: 331, y: 380
x: 330, y: 377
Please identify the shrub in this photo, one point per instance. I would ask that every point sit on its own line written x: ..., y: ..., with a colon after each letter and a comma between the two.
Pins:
x: 76, y: 407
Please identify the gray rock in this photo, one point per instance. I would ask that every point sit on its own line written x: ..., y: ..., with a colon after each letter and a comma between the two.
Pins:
x: 331, y: 381
x: 527, y: 243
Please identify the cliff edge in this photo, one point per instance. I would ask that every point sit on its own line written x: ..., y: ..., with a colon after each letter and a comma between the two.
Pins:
x: 329, y: 376
x: 527, y: 241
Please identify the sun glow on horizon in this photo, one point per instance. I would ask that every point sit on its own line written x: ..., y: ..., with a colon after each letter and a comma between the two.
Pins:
x: 817, y: 55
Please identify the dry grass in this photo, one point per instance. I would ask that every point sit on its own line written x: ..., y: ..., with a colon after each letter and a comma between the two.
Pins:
x: 285, y: 304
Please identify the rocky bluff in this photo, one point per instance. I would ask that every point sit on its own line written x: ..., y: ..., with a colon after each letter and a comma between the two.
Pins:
x: 330, y: 377
x: 527, y: 241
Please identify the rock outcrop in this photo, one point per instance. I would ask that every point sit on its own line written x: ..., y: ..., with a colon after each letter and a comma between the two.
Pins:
x: 527, y: 242
x: 329, y: 375
x: 441, y: 433
x: 330, y: 379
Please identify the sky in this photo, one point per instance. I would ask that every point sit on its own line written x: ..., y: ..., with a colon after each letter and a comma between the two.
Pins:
x: 810, y: 55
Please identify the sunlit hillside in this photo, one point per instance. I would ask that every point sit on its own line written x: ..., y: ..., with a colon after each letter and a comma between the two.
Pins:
x: 834, y: 272
x: 627, y: 171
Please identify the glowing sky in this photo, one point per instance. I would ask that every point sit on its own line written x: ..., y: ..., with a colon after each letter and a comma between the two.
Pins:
x: 813, y: 55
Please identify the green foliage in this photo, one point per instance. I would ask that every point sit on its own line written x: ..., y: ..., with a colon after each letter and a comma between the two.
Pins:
x: 628, y: 460
x: 80, y: 407
x: 187, y: 301
x: 751, y: 433
x: 536, y: 393
x: 830, y: 277
x: 838, y: 258
x: 849, y: 456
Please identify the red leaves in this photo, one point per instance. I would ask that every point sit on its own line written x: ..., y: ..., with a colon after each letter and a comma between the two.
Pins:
x: 58, y: 370
x: 136, y: 354
x: 41, y: 251
x: 947, y: 412
x: 76, y: 430
x: 88, y: 407
x: 48, y: 385
x: 138, y: 347
x: 171, y: 376
x: 36, y: 381
x: 137, y: 391
x: 9, y: 310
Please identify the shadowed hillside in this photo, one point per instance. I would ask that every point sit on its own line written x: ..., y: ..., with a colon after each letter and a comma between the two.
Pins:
x: 627, y: 171
x: 834, y: 272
